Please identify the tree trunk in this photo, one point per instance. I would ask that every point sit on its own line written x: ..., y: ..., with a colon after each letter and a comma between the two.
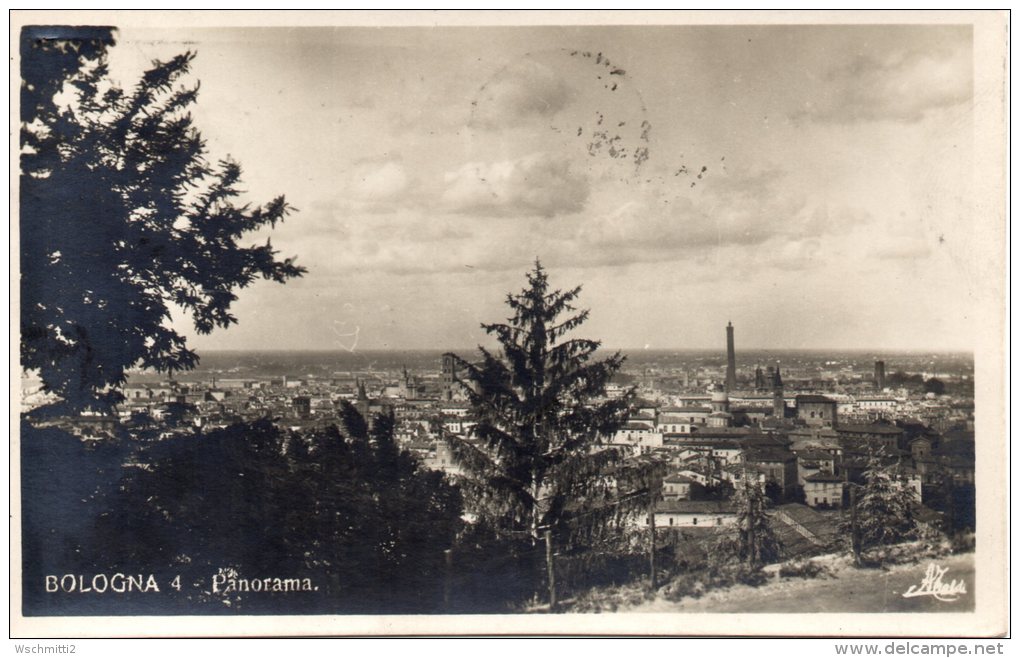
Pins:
x: 855, y: 533
x: 534, y: 510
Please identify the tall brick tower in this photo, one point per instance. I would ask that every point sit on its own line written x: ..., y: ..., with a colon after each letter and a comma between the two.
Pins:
x: 731, y: 360
x: 880, y: 375
x: 778, y: 403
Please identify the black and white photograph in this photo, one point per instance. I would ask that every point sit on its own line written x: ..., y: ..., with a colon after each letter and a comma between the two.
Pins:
x: 508, y: 323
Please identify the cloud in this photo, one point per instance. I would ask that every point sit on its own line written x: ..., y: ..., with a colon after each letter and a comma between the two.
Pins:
x: 520, y: 92
x: 902, y: 86
x: 748, y: 215
x: 378, y: 181
x: 793, y: 255
x: 496, y: 217
x: 538, y: 184
x: 744, y: 207
x: 906, y: 248
x: 375, y: 185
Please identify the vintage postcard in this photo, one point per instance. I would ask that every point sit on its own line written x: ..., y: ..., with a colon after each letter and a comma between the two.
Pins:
x: 508, y: 323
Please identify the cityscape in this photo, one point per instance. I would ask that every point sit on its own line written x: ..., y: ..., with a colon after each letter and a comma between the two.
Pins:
x: 804, y: 424
x: 543, y: 320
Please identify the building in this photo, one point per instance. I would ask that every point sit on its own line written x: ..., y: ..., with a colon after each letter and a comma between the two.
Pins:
x: 759, y: 380
x: 824, y: 490
x: 874, y: 435
x: 443, y: 459
x: 880, y: 375
x: 678, y: 487
x: 691, y: 514
x: 638, y: 437
x: 720, y: 416
x: 816, y: 410
x: 731, y: 360
x: 778, y: 404
x: 811, y: 461
x: 302, y: 406
x: 671, y: 418
x: 777, y: 465
x: 448, y: 377
x: 921, y: 447
x: 804, y: 531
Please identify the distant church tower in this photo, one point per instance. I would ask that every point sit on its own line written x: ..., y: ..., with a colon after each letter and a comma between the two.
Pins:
x: 731, y: 360
x: 361, y: 402
x: 778, y: 401
x: 759, y: 380
x: 448, y: 376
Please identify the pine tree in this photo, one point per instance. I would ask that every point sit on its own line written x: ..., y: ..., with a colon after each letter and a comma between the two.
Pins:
x: 536, y: 458
x: 755, y: 542
x: 121, y: 219
x: 882, y: 511
x: 344, y: 505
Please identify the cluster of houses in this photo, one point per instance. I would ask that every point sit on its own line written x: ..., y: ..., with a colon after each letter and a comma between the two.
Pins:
x: 803, y: 450
x: 805, y: 447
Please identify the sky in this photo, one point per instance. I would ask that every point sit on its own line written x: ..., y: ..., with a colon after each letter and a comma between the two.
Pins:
x: 811, y: 184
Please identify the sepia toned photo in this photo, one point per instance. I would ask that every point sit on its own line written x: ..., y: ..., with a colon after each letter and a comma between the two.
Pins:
x: 508, y: 323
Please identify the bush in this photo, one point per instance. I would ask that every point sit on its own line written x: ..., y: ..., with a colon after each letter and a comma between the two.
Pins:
x: 907, y: 552
x: 750, y: 577
x: 611, y: 599
x: 684, y: 585
x: 962, y: 543
x: 696, y: 584
x: 803, y: 569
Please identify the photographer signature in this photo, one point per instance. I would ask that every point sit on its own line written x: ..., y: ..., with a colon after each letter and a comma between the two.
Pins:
x: 933, y: 585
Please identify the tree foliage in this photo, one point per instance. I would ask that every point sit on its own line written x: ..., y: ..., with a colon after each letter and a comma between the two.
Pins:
x: 123, y: 219
x: 883, y: 512
x: 754, y: 542
x: 536, y: 457
x: 345, y: 508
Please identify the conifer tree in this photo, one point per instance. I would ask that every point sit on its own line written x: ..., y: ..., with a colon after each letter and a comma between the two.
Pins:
x: 537, y: 457
x: 122, y: 219
x: 342, y: 504
x: 882, y: 511
x: 755, y: 542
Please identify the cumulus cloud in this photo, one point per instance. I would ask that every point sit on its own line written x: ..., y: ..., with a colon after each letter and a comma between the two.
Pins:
x: 538, y: 184
x: 500, y: 216
x: 752, y: 215
x: 374, y: 185
x: 378, y: 181
x: 901, y: 86
x: 742, y: 208
x: 522, y: 91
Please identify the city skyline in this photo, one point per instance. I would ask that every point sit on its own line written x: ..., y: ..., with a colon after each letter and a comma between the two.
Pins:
x: 812, y: 182
x: 693, y: 313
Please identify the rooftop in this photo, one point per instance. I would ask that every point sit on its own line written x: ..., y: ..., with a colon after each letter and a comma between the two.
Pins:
x: 814, y: 454
x: 823, y: 477
x: 695, y: 506
x: 768, y: 455
x: 873, y: 428
x: 814, y: 399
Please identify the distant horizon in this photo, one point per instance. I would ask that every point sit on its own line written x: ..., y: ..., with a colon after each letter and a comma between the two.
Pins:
x: 722, y: 351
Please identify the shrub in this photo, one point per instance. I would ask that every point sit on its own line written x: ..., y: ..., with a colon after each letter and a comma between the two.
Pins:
x: 962, y: 542
x: 803, y: 569
x: 696, y: 584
